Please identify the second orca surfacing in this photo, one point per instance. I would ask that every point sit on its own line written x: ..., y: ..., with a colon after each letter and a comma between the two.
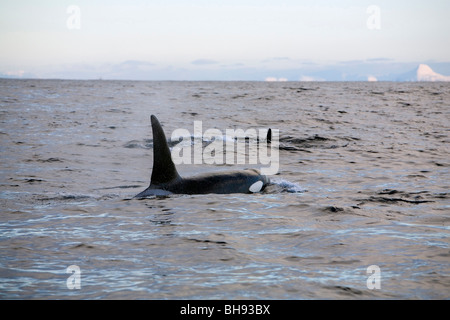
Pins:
x: 165, y: 179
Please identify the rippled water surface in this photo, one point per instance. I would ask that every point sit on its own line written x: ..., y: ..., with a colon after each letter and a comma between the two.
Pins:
x: 363, y: 180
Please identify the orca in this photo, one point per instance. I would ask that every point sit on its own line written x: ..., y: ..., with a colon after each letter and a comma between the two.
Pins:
x: 165, y: 179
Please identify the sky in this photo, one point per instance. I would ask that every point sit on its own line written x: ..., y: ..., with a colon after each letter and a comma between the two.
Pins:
x: 227, y: 39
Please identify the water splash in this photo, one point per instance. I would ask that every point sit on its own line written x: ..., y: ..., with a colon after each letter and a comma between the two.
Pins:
x: 282, y: 185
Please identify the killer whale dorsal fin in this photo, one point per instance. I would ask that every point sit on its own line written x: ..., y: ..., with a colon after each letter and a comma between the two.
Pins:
x: 269, y: 136
x: 164, y: 169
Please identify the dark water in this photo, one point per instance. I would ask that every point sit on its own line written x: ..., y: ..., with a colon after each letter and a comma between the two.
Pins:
x: 363, y: 180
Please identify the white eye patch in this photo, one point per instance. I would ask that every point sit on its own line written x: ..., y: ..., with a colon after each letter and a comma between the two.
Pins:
x: 256, y: 187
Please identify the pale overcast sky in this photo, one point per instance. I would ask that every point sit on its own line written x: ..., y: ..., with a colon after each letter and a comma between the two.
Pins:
x: 38, y: 36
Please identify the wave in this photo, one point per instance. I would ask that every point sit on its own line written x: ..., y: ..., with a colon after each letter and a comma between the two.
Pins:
x: 280, y: 185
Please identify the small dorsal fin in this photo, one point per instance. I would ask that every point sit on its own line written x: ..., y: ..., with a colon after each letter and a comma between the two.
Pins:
x: 164, y: 170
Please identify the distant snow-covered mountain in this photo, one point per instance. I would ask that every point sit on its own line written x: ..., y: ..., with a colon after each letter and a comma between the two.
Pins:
x: 206, y: 69
x: 425, y: 73
x: 421, y: 73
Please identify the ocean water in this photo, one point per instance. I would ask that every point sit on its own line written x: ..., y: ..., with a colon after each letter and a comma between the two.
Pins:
x: 363, y: 181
